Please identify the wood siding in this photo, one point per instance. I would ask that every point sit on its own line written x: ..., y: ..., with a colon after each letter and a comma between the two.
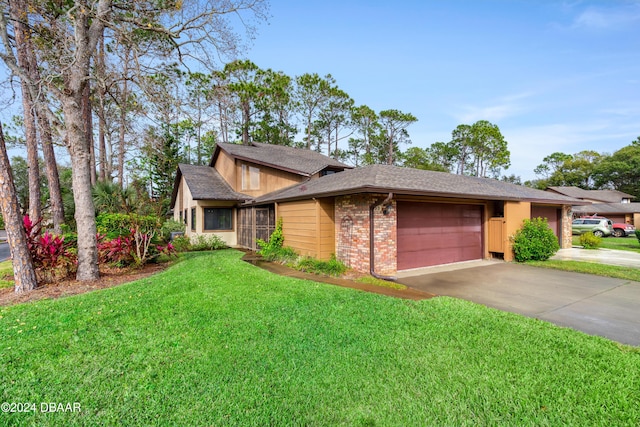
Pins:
x: 226, y: 167
x: 270, y: 179
x: 308, y: 227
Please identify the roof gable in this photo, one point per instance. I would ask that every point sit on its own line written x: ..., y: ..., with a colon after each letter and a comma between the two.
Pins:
x: 295, y: 160
x: 205, y: 183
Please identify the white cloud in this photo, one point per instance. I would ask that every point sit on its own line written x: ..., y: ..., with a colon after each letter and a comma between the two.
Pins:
x: 507, y: 106
x: 608, y: 18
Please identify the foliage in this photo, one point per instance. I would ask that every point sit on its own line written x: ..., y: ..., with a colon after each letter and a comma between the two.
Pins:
x: 333, y: 267
x: 589, y: 240
x: 108, y: 197
x: 1, y: 221
x: 637, y: 232
x: 171, y: 226
x: 116, y: 224
x: 207, y: 242
x: 477, y: 150
x: 534, y: 241
x: 51, y: 255
x: 136, y: 248
x: 561, y: 169
x: 621, y: 170
x: 274, y: 250
x: 255, y: 348
x: 181, y: 244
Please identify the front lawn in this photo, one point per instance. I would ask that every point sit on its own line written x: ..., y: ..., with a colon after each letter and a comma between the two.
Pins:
x: 6, y: 271
x: 216, y: 341
x: 620, y: 243
x: 595, y: 268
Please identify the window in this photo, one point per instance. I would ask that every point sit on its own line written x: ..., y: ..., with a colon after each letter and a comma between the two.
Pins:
x: 185, y: 217
x: 218, y: 219
x: 180, y: 216
x: 193, y: 219
x: 250, y: 178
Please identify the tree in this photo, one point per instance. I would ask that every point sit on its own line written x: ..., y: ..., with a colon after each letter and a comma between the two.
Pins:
x: 420, y: 158
x: 67, y: 35
x: 311, y: 94
x: 489, y: 149
x: 560, y: 169
x: 394, y: 124
x: 621, y: 170
x: 365, y: 123
x: 23, y: 271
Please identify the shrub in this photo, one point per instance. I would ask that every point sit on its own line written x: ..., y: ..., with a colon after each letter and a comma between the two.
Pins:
x: 115, y: 224
x: 534, y: 241
x: 1, y: 222
x: 170, y: 226
x: 590, y: 241
x: 181, y: 244
x: 137, y: 248
x: 333, y: 267
x: 273, y: 249
x: 638, y: 235
x: 209, y: 242
x: 51, y: 255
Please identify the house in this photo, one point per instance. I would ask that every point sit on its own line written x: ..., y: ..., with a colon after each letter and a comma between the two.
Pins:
x: 379, y: 219
x: 613, y: 204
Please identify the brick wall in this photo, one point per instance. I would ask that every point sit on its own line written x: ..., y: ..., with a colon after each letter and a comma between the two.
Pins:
x: 567, y: 217
x: 352, y: 233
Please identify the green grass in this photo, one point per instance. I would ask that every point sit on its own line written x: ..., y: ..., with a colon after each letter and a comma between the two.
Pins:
x: 217, y: 341
x: 370, y: 280
x: 591, y: 268
x: 6, y: 270
x: 620, y: 243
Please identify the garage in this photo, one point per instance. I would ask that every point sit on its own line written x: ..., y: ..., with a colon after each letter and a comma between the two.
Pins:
x: 438, y: 233
x: 553, y: 216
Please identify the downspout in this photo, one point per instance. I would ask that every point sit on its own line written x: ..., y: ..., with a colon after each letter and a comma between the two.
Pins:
x: 372, y: 269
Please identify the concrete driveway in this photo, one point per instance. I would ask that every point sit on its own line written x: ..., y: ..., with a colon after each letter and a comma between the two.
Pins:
x: 592, y: 304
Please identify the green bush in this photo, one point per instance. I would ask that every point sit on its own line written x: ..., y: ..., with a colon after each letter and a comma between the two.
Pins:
x: 590, y: 241
x: 333, y: 267
x: 535, y: 241
x: 1, y: 222
x: 170, y: 226
x: 115, y: 224
x: 209, y: 242
x: 181, y: 244
x: 638, y: 235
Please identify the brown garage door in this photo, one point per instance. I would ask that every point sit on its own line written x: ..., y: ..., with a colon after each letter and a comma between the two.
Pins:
x: 438, y: 233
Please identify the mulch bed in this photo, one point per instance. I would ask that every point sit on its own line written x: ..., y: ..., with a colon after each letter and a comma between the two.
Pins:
x: 109, y: 277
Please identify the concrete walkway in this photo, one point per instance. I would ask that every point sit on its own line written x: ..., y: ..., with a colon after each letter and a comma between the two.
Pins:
x: 596, y: 305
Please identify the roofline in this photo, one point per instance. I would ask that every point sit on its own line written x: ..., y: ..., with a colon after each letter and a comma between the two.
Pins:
x: 374, y: 189
x: 271, y: 165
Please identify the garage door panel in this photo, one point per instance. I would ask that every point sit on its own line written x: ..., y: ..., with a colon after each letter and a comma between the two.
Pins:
x: 438, y: 233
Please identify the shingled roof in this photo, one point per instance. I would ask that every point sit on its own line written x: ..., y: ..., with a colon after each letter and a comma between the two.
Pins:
x: 607, y: 208
x: 385, y: 178
x: 295, y: 160
x: 205, y: 183
x: 606, y: 196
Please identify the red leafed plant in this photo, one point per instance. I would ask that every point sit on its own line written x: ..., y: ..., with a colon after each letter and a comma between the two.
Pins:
x: 50, y: 254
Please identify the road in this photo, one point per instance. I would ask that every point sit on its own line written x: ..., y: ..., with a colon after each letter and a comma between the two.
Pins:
x: 4, y: 247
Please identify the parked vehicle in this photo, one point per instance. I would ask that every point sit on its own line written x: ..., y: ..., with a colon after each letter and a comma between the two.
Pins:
x: 623, y: 230
x: 597, y: 225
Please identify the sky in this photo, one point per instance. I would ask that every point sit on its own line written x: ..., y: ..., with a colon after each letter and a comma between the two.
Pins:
x: 554, y: 76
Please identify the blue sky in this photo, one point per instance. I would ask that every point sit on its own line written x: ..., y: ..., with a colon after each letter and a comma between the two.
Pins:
x: 554, y: 76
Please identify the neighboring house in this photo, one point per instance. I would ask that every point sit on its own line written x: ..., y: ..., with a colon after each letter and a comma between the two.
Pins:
x: 379, y: 219
x: 613, y: 204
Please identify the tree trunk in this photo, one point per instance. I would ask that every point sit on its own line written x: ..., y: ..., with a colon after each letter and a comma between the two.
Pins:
x: 123, y: 119
x: 80, y: 153
x: 22, y: 40
x: 23, y: 272
x: 51, y: 168
x: 88, y: 129
x: 102, y: 146
x: 246, y: 111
